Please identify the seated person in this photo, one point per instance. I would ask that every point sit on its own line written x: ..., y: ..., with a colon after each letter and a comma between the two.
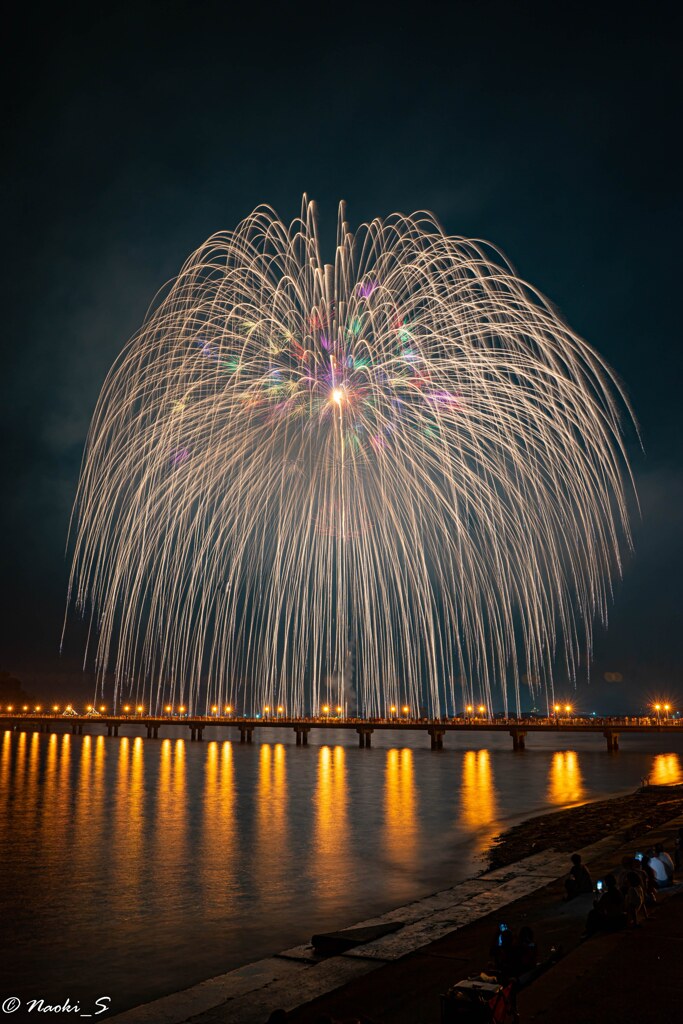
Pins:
x: 658, y: 867
x: 579, y: 880
x: 502, y: 954
x: 666, y: 860
x: 678, y: 851
x: 609, y: 911
x: 634, y: 898
x: 525, y: 953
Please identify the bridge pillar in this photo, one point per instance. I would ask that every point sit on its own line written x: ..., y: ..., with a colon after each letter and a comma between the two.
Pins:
x: 436, y: 737
x: 150, y: 730
x: 364, y: 736
x: 246, y: 735
x: 518, y: 739
x: 612, y: 741
x: 301, y: 735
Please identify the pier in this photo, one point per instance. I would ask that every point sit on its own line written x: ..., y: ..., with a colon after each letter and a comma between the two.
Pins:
x: 610, y: 730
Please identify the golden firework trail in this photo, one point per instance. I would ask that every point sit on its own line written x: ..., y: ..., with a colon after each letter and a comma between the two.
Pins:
x: 395, y: 479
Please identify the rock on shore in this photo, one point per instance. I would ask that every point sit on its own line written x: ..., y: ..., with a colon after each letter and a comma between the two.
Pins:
x: 626, y: 817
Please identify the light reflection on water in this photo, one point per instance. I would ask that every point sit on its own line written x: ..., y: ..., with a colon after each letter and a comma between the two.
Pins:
x: 330, y: 845
x: 666, y: 770
x: 478, y: 797
x: 565, y: 785
x: 400, y: 821
x: 151, y: 866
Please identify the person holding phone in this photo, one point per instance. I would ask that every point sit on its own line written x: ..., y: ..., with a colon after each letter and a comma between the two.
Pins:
x: 609, y: 910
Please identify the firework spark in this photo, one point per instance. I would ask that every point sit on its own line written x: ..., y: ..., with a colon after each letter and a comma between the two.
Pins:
x: 403, y: 461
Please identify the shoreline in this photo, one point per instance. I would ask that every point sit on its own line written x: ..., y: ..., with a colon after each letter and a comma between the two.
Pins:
x: 524, y: 858
x: 625, y: 817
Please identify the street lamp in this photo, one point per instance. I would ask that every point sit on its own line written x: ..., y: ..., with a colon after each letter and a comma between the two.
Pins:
x: 568, y: 709
x: 339, y: 710
x: 326, y: 710
x: 214, y: 710
x: 140, y: 709
x: 482, y: 710
x: 280, y: 710
x: 228, y: 709
x: 658, y: 708
x: 469, y: 709
x: 557, y: 710
x: 667, y: 709
x: 169, y: 708
x: 406, y: 710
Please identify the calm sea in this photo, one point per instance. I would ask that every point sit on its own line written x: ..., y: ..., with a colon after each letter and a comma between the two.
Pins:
x: 133, y: 868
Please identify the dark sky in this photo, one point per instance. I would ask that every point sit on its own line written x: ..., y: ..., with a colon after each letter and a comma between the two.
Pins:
x: 134, y: 131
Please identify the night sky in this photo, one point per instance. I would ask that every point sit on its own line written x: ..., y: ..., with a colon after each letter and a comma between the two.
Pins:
x: 134, y: 131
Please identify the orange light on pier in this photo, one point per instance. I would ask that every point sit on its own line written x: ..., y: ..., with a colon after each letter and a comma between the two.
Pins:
x: 557, y: 709
x: 55, y: 708
x: 228, y: 709
x: 140, y: 709
x: 406, y: 710
x: 567, y: 708
x: 182, y: 710
x: 168, y: 709
x: 280, y: 710
x: 25, y: 707
x: 469, y: 709
x: 339, y: 710
x: 126, y: 708
x: 326, y: 709
x: 214, y: 710
x: 103, y: 707
x: 10, y: 707
x: 37, y: 707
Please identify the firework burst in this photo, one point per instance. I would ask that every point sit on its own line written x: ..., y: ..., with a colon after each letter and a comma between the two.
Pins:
x: 398, y: 478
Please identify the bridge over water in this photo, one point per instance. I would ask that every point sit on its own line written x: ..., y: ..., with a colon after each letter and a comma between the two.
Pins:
x: 610, y: 729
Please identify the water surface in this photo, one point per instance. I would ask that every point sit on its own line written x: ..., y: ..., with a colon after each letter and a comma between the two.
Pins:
x: 134, y: 867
